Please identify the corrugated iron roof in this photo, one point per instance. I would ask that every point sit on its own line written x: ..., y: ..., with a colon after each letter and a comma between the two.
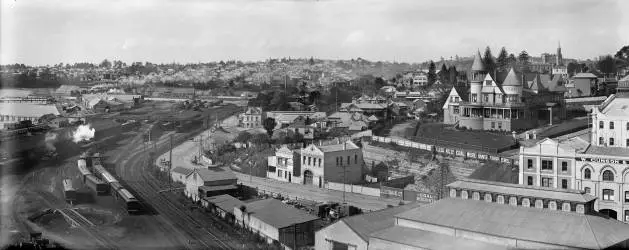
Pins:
x: 367, y: 223
x: 430, y: 240
x: 532, y: 224
x: 278, y: 214
x: 225, y: 202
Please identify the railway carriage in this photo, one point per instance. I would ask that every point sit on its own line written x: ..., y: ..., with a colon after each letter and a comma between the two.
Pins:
x: 82, y: 166
x: 96, y: 185
x: 131, y: 204
x: 68, y: 191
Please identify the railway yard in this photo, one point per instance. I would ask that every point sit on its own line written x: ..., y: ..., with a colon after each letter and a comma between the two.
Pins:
x: 58, y: 199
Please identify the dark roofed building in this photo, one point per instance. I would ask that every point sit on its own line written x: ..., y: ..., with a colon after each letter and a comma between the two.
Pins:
x: 223, y: 205
x: 204, y: 182
x: 278, y: 222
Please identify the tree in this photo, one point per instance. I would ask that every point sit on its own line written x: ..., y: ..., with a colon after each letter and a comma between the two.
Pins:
x: 432, y: 76
x: 311, y: 61
x: 443, y: 74
x: 488, y: 60
x: 453, y: 75
x: 269, y: 124
x: 439, y: 178
x: 503, y: 60
x: 606, y: 65
x: 243, y: 136
x: 314, y: 96
x: 512, y: 60
x: 523, y: 59
x: 105, y: 64
x: 573, y: 68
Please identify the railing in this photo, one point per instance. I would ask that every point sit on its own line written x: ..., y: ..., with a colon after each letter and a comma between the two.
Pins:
x: 496, y: 104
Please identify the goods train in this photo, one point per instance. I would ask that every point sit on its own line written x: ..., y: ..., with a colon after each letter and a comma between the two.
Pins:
x: 90, y: 180
x: 68, y: 191
x: 116, y: 189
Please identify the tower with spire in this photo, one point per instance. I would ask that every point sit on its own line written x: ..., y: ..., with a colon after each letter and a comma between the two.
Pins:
x: 559, y: 57
x: 476, y: 83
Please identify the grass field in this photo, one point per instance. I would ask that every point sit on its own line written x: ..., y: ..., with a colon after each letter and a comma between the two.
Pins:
x: 436, y: 133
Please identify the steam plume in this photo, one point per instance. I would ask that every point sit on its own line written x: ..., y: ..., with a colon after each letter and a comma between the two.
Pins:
x: 83, y: 133
x: 50, y: 140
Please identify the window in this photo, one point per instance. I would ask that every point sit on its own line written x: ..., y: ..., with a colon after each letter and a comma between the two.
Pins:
x: 608, y: 175
x: 486, y: 97
x: 309, y: 160
x: 474, y: 98
x: 587, y: 174
x: 319, y: 162
x: 626, y: 196
x: 529, y: 180
x: 611, y: 141
x: 279, y: 173
x: 564, y: 166
x: 608, y: 195
x: 547, y: 182
x: 601, y: 124
x: 493, y: 125
x: 601, y: 141
x: 627, y: 125
x: 626, y: 215
x: 337, y: 161
x: 529, y: 163
x: 564, y: 183
x: 611, y: 125
x: 304, y: 161
x: 349, y: 160
x: 499, y: 125
x: 627, y: 142
x: 547, y: 165
x: 355, y: 159
x: 587, y: 190
x: 456, y: 109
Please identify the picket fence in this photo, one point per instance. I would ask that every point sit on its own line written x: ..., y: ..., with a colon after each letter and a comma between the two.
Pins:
x: 445, y: 150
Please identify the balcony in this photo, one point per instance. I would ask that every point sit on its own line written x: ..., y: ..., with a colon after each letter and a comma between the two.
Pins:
x: 497, y: 105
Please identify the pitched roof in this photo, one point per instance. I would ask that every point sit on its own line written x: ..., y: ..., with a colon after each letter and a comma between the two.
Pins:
x: 584, y: 75
x: 531, y: 224
x: 225, y: 202
x: 338, y: 147
x: 430, y: 240
x: 365, y: 224
x: 478, y: 63
x: 278, y: 214
x: 182, y: 170
x: 521, y: 190
x: 512, y: 79
x: 217, y: 188
x: 215, y: 175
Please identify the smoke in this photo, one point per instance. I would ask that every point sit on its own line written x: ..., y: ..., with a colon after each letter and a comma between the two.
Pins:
x: 50, y: 139
x: 83, y: 133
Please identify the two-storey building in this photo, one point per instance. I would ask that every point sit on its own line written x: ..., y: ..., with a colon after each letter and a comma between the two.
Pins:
x: 251, y: 118
x: 341, y: 163
x: 597, y: 163
x: 285, y: 165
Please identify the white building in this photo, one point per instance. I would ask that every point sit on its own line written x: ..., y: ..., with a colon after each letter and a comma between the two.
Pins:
x: 16, y: 112
x: 340, y: 163
x: 597, y: 162
x: 282, y: 166
x: 216, y: 180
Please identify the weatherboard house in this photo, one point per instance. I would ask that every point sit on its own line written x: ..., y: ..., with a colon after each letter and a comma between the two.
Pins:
x: 516, y: 102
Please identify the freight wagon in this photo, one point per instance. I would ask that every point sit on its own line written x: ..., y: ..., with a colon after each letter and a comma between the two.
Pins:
x: 95, y: 184
x: 130, y: 203
x: 68, y: 191
x: 82, y: 166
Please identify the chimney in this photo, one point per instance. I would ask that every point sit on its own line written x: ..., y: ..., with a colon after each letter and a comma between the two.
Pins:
x: 344, y: 146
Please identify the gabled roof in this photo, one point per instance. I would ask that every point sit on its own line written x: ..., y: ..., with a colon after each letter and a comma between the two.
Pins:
x: 277, y: 214
x: 561, y: 228
x: 214, y: 175
x: 478, y: 63
x: 365, y: 224
x: 512, y: 79
x: 584, y: 75
x: 225, y: 202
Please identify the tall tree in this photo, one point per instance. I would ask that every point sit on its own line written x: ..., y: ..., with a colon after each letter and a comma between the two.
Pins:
x: 488, y: 60
x: 512, y: 60
x: 443, y: 73
x: 432, y: 75
x: 523, y: 59
x: 606, y: 65
x: 269, y: 124
x: 105, y: 64
x: 453, y: 75
x: 503, y: 60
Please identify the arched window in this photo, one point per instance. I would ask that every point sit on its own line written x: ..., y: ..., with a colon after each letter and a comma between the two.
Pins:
x: 587, y: 174
x: 608, y: 175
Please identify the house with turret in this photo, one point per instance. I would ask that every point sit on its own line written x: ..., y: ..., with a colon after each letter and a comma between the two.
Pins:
x: 510, y: 102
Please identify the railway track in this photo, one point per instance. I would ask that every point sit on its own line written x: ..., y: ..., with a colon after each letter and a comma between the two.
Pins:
x: 132, y: 170
x: 78, y: 220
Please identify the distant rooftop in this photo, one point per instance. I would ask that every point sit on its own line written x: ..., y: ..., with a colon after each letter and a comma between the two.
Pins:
x: 278, y: 214
x: 365, y: 224
x: 577, y: 196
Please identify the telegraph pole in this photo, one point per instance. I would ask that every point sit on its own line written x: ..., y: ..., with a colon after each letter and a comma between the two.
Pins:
x: 170, y: 163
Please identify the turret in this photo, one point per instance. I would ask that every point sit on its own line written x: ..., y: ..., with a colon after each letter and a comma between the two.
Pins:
x: 512, y: 85
x: 476, y: 84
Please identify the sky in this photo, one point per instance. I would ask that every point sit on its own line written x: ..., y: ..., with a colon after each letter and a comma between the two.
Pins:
x: 39, y: 32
